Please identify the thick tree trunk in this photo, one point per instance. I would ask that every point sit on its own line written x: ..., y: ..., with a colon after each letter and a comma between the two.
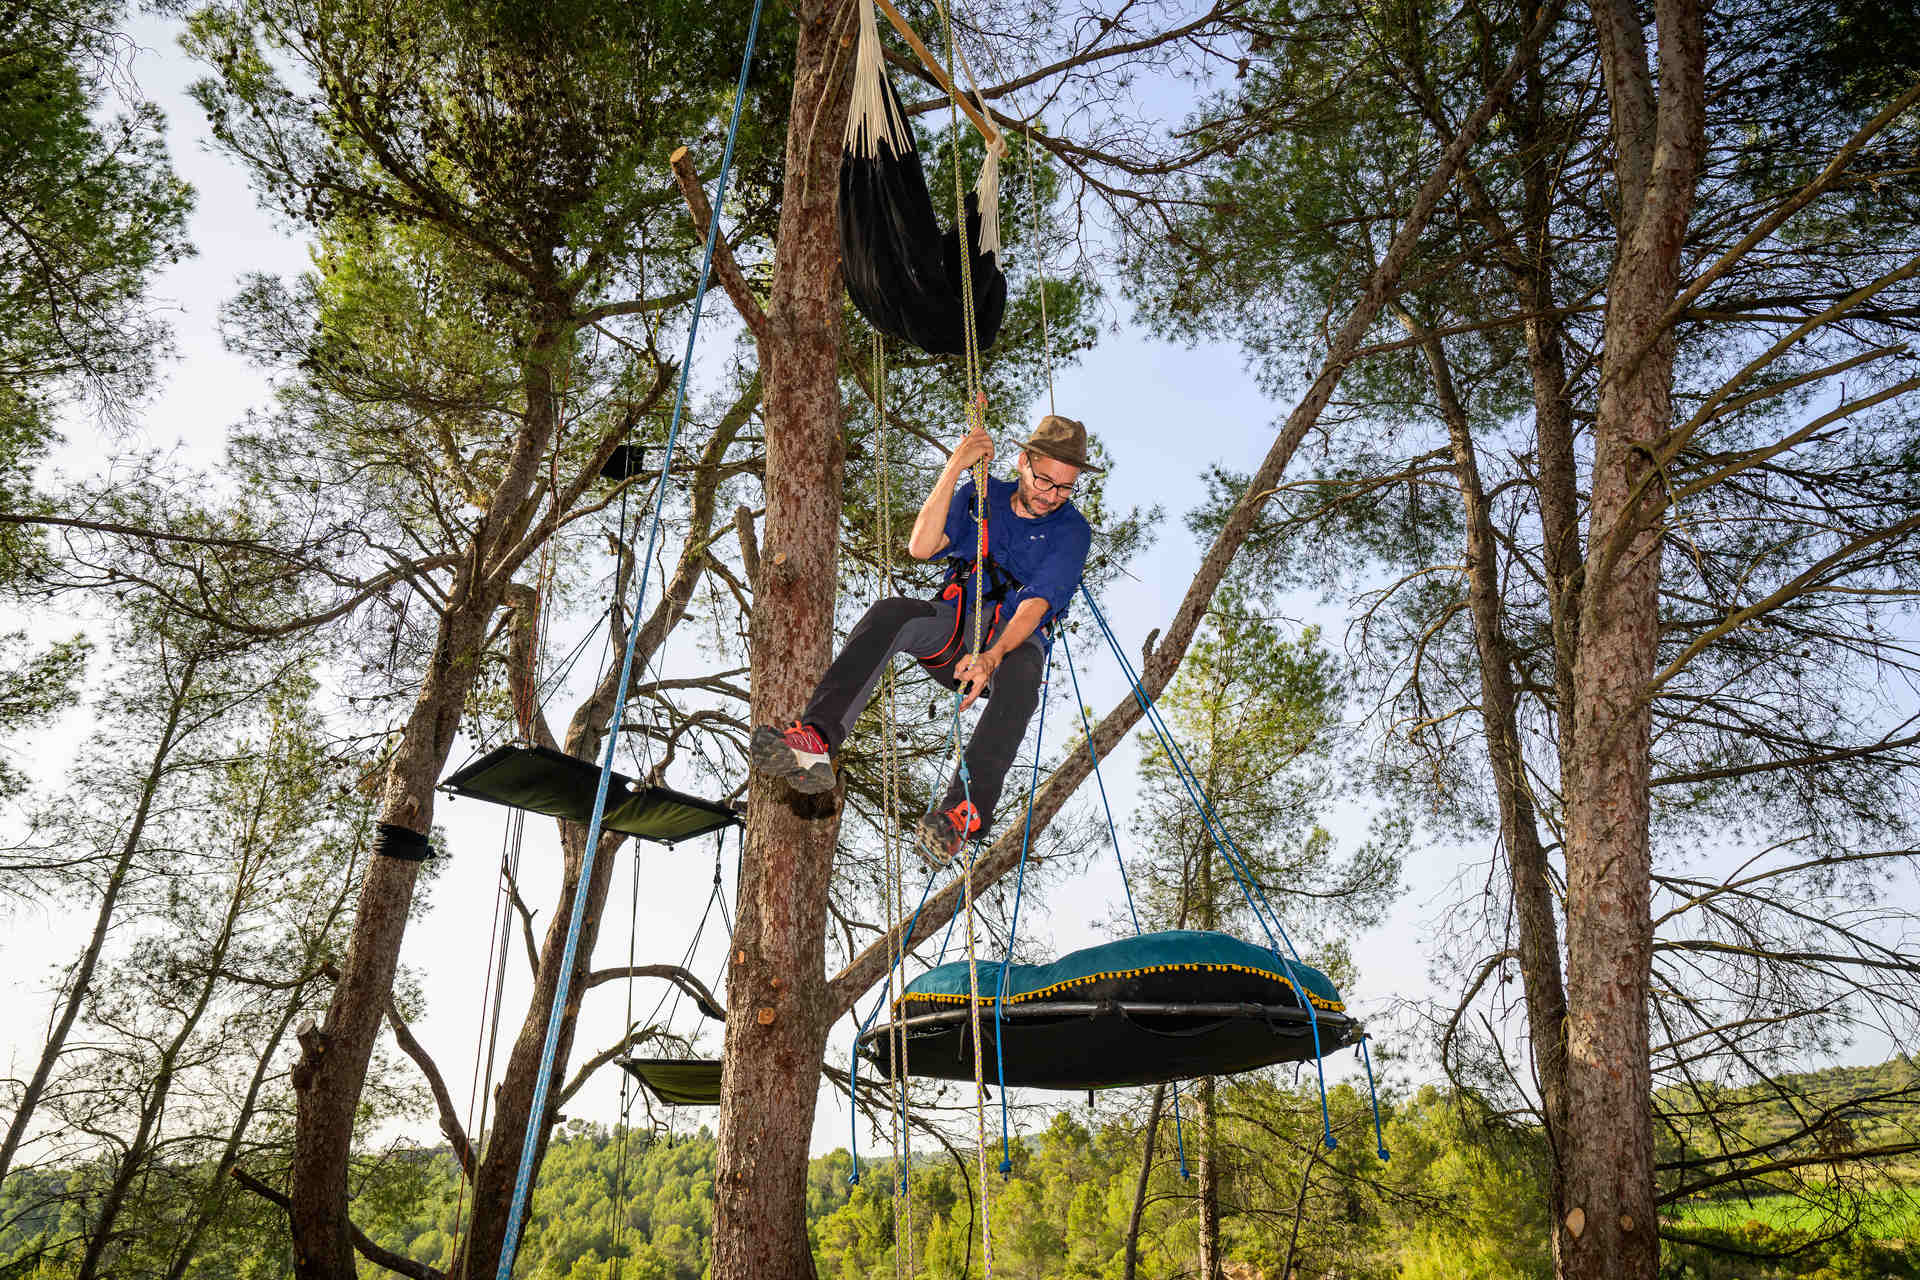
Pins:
x: 777, y: 1007
x: 1610, y: 1229
x: 1558, y: 485
x: 333, y: 1066
x: 332, y: 1069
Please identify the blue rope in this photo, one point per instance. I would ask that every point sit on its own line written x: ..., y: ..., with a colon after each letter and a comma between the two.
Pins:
x: 536, y: 1112
x: 1379, y: 1143
x: 1013, y: 927
x: 1188, y: 781
x: 1216, y: 829
x: 1113, y: 832
x: 1179, y: 1141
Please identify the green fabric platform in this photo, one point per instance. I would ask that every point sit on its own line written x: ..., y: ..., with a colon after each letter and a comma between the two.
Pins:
x: 542, y: 780
x: 678, y: 1082
x: 1169, y: 952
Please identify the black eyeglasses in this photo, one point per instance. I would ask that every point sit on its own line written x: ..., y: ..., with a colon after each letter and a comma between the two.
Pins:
x: 1044, y: 485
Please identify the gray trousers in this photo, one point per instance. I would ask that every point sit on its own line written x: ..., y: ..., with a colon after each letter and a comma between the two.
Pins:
x: 933, y: 629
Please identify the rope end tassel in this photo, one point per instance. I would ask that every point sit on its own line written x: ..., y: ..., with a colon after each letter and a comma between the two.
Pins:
x: 1373, y: 1096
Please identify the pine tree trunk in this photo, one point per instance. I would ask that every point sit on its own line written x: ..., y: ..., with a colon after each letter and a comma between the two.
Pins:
x: 1139, y: 1210
x: 1610, y: 1228
x: 332, y: 1068
x: 153, y: 1102
x: 778, y: 1010
x: 1538, y: 933
x: 1208, y: 1176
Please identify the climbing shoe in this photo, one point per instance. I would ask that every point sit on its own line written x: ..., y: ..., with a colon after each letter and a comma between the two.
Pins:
x: 940, y: 835
x: 799, y: 756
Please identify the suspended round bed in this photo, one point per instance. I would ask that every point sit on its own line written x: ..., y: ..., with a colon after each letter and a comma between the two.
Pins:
x: 1142, y: 1010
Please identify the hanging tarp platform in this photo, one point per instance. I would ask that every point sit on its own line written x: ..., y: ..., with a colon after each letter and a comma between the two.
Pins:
x: 902, y: 271
x: 542, y: 780
x: 678, y: 1082
x: 1144, y: 1010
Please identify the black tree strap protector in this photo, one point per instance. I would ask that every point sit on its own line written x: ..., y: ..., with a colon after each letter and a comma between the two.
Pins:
x: 404, y: 843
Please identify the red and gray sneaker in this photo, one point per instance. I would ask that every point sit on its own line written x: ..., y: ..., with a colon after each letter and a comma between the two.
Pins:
x: 940, y: 835
x: 799, y: 756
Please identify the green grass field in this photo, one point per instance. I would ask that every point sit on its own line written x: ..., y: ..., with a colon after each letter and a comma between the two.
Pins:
x: 1892, y: 1213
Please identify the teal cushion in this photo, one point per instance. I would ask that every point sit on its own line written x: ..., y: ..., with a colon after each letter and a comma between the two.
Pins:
x: 1093, y: 972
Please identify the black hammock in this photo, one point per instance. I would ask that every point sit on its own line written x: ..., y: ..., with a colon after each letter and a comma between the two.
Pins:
x: 903, y: 271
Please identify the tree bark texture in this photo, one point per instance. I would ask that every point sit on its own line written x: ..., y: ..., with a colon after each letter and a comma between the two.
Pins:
x: 778, y: 1011
x: 1538, y: 931
x: 333, y: 1067
x: 1207, y: 1175
x: 1609, y: 1228
x: 1552, y: 406
x: 332, y: 1070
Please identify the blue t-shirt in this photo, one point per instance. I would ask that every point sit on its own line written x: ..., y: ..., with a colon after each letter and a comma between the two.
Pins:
x: 1045, y: 556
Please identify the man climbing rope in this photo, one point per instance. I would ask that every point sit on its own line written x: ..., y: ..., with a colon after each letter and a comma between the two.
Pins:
x: 1036, y: 549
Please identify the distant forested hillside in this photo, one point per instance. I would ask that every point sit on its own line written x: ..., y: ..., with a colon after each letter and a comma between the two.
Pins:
x: 1459, y: 1200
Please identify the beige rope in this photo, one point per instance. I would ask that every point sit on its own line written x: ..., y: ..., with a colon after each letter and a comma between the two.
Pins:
x: 1039, y: 263
x: 976, y: 414
x: 894, y: 892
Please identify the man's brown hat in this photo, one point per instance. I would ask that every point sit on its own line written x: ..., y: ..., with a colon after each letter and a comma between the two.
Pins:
x: 1063, y: 440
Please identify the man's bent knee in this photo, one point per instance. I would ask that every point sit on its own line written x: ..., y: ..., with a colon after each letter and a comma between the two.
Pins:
x: 1020, y: 672
x: 895, y: 612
